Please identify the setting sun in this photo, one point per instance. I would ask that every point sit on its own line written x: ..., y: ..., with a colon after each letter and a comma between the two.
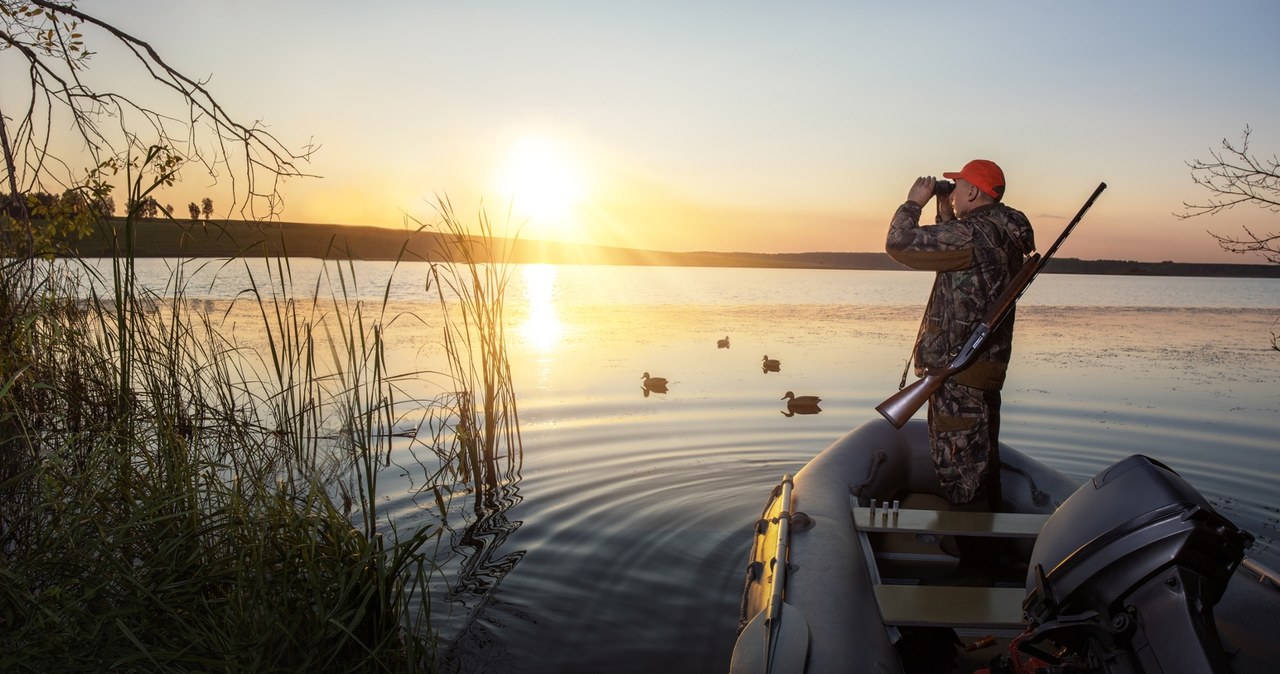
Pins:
x: 543, y: 186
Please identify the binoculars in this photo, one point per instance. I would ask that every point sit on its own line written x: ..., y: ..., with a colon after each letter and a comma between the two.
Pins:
x: 943, y: 187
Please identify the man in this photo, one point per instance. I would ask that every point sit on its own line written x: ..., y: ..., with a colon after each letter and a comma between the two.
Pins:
x: 976, y: 246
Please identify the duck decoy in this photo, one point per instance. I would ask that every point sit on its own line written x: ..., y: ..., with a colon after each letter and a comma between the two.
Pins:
x: 723, y: 343
x: 794, y: 400
x: 654, y: 383
x: 770, y: 364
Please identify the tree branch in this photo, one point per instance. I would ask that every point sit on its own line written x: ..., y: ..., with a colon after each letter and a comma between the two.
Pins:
x: 47, y: 36
x: 1232, y: 178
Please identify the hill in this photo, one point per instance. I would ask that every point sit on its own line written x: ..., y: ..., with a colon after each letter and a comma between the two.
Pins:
x: 160, y: 238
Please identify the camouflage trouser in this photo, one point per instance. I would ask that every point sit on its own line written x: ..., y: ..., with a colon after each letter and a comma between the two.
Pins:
x: 964, y: 424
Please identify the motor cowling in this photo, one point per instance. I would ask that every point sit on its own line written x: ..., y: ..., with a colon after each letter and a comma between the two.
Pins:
x: 1125, y: 574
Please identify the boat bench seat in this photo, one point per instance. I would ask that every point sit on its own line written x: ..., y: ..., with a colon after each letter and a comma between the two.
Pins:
x: 994, y: 608
x: 950, y: 522
x: 945, y: 606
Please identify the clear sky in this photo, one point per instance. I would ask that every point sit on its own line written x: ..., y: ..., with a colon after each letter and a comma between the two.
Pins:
x: 739, y: 126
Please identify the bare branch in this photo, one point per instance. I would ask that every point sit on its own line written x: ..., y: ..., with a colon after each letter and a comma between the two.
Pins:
x: 50, y: 38
x: 1232, y: 178
x: 1267, y: 246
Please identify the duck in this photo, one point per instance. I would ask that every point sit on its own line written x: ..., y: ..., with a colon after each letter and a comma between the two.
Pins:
x: 723, y: 343
x: 794, y: 400
x: 771, y: 363
x: 654, y: 382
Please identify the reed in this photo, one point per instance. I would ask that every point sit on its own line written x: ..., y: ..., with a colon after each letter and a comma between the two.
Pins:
x: 471, y: 292
x: 177, y: 496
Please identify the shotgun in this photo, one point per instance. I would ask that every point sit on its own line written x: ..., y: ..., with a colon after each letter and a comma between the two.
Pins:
x: 901, y: 406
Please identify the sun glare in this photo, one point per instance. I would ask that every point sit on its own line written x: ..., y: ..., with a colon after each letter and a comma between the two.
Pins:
x: 542, y: 328
x: 543, y: 185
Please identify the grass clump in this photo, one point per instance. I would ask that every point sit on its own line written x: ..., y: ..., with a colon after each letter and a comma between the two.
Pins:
x: 178, y: 497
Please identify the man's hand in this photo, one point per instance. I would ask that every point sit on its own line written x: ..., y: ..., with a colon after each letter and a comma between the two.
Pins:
x: 922, y: 190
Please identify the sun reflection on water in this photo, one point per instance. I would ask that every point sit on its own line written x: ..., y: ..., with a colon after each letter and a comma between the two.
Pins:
x: 542, y: 328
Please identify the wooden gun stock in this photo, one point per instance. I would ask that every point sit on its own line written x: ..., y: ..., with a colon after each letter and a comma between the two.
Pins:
x: 901, y: 406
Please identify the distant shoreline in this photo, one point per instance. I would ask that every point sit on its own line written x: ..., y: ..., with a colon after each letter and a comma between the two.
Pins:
x: 162, y: 238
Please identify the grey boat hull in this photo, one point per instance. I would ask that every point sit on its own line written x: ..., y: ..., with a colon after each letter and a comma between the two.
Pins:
x: 830, y: 582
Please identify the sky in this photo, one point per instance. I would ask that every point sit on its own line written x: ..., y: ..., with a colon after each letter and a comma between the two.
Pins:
x: 736, y: 126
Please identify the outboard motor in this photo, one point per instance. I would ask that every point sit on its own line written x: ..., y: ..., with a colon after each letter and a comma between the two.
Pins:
x: 1125, y: 574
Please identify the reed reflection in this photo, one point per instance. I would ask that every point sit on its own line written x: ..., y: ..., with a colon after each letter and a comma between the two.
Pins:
x: 478, y: 547
x: 484, y: 451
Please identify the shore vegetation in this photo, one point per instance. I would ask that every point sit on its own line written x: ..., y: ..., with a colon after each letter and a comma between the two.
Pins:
x: 179, y: 497
x: 181, y: 492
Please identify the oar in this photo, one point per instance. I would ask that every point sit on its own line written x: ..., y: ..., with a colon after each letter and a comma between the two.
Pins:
x: 780, y: 628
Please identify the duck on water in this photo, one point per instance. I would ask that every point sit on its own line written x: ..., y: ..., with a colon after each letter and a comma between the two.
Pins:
x: 854, y: 568
x: 653, y: 382
x: 794, y: 400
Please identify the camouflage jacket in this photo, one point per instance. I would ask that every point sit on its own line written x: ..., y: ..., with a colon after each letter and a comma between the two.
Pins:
x: 975, y: 257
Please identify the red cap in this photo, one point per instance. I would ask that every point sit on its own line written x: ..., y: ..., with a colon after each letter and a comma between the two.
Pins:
x: 982, y: 174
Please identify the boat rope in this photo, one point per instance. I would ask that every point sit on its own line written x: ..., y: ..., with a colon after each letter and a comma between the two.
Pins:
x: 755, y: 569
x: 1037, y: 497
x: 878, y: 460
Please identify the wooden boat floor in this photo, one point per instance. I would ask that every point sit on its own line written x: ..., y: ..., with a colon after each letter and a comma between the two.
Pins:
x: 951, y: 606
x: 921, y: 585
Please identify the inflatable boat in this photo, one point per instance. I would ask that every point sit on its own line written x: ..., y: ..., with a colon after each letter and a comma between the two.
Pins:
x: 859, y: 565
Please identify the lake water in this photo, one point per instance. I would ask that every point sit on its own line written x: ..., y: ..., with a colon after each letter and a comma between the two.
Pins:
x: 619, y: 543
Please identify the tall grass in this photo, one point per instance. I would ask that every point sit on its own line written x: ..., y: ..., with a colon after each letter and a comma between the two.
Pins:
x: 486, y: 448
x: 475, y: 343
x: 176, y: 496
